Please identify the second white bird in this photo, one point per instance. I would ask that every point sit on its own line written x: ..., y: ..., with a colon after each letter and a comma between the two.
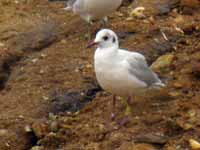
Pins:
x: 93, y: 9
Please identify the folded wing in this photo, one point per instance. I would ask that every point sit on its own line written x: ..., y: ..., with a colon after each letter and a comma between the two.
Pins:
x: 138, y: 67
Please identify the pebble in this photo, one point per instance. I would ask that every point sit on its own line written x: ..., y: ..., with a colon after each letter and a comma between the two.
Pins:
x: 43, y: 55
x: 144, y: 146
x: 177, y: 85
x: 41, y: 71
x: 63, y: 41
x: 34, y: 60
x: 119, y: 14
x: 28, y: 128
x: 54, y: 126
x: 138, y: 13
x: 3, y: 132
x: 184, y: 126
x: 2, y: 44
x: 37, y: 148
x: 40, y: 129
x: 190, y: 3
x: 46, y: 98
x: 195, y: 145
x: 174, y: 94
x: 163, y: 62
x: 152, y: 138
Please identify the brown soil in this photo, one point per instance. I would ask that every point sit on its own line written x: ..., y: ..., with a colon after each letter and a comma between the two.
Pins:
x: 45, y: 69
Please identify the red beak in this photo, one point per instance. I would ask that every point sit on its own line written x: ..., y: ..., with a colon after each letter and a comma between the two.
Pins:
x: 91, y: 44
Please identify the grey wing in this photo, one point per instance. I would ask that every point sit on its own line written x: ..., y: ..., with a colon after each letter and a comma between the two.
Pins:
x: 140, y: 69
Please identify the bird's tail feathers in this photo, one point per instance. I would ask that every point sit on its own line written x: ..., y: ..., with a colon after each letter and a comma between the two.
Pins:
x: 158, y: 85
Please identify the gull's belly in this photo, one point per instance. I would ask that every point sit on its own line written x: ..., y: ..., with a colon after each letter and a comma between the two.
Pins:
x: 101, y: 8
x: 119, y: 82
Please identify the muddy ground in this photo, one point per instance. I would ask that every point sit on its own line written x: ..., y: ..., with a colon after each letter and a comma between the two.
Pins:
x: 49, y: 98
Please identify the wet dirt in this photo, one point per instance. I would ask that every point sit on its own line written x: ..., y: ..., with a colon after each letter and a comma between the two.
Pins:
x: 48, y: 93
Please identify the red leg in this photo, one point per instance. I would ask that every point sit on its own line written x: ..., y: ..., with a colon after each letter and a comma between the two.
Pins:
x: 125, y: 119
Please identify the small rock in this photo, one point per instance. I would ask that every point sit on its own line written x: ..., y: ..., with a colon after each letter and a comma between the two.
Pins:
x: 54, y: 126
x: 179, y: 19
x: 37, y: 148
x: 126, y: 146
x: 28, y: 129
x: 177, y: 85
x: 195, y: 145
x: 89, y: 66
x: 43, y: 55
x: 41, y: 71
x: 142, y: 146
x: 190, y: 3
x: 163, y: 62
x: 189, y: 7
x: 192, y: 113
x: 53, y: 140
x: 21, y: 117
x: 119, y: 14
x: 138, y: 13
x: 129, y: 19
x: 174, y: 94
x: 3, y: 132
x: 93, y: 146
x: 63, y: 41
x: 151, y: 138
x: 52, y: 116
x: 2, y: 44
x: 185, y: 126
x: 46, y: 98
x: 34, y: 60
x: 40, y: 129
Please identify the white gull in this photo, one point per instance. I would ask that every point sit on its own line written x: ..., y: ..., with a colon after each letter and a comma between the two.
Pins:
x: 90, y: 10
x: 119, y: 71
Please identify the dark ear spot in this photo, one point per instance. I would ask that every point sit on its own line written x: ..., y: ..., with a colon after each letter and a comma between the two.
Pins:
x: 114, y: 40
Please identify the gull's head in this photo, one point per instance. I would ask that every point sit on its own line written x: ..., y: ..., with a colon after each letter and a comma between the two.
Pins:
x: 105, y: 38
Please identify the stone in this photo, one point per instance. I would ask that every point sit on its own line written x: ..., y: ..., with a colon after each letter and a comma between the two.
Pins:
x: 195, y: 145
x: 28, y: 129
x: 143, y: 146
x: 155, y: 7
x: 40, y: 129
x: 37, y: 148
x: 163, y: 62
x: 54, y: 126
x: 151, y: 138
x: 137, y: 13
x: 3, y: 132
x: 190, y: 3
x: 177, y: 85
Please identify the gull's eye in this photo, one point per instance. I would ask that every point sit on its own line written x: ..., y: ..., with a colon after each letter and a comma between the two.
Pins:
x: 105, y: 38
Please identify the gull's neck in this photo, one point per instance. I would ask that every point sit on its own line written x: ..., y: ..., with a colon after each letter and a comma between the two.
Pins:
x: 103, y: 54
x: 107, y: 50
x: 113, y: 47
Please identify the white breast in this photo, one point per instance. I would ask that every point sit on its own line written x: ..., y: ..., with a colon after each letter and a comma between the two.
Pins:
x: 114, y: 77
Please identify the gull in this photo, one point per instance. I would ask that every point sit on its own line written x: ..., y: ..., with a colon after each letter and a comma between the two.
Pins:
x: 121, y: 72
x: 90, y: 10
